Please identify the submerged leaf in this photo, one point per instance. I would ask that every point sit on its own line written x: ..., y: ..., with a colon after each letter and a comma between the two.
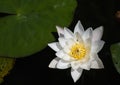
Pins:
x: 6, y: 65
x: 115, y: 49
x: 28, y: 28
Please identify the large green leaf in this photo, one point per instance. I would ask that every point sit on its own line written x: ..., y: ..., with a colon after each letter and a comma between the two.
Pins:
x: 28, y: 29
x: 115, y: 49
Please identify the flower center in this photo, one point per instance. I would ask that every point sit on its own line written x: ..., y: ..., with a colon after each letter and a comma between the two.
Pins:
x: 78, y: 51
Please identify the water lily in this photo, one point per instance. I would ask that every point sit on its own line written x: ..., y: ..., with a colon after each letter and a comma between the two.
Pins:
x: 78, y: 49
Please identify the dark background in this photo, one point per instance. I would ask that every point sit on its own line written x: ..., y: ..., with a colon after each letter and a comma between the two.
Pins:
x: 33, y: 70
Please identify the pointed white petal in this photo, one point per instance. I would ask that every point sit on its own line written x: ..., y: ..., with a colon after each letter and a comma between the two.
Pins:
x: 85, y: 65
x: 67, y: 57
x: 62, y: 41
x: 97, y: 33
x: 53, y: 63
x: 66, y: 49
x: 60, y: 31
x: 97, y: 63
x: 79, y: 28
x: 75, y: 64
x: 60, y: 54
x: 87, y: 34
x: 67, y: 33
x: 76, y: 74
x: 87, y: 38
x: 70, y: 42
x: 78, y: 37
x: 55, y: 46
x: 87, y: 44
x: 63, y: 64
x: 97, y: 46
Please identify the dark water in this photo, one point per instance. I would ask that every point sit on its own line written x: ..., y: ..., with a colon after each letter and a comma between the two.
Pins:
x: 33, y: 70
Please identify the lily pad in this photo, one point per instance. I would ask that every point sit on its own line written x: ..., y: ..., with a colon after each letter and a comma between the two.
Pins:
x: 6, y: 64
x: 115, y: 49
x: 28, y: 28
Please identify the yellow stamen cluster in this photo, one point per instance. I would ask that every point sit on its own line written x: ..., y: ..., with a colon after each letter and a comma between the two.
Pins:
x: 78, y: 51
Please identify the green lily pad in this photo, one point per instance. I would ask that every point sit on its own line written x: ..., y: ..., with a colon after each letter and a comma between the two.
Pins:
x: 28, y: 29
x: 6, y: 64
x: 115, y: 50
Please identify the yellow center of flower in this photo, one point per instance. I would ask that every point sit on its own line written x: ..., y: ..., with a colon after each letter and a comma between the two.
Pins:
x: 78, y: 51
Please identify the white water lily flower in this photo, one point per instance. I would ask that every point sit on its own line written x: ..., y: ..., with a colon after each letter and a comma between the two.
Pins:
x: 78, y: 49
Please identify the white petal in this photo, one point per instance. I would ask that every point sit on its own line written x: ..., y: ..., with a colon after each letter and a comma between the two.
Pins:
x: 63, y: 64
x: 87, y: 34
x: 85, y: 65
x: 97, y: 33
x: 75, y: 64
x: 67, y: 58
x: 79, y: 28
x: 78, y: 37
x: 97, y: 46
x: 67, y: 33
x: 54, y: 46
x: 62, y: 41
x: 60, y: 31
x: 70, y: 42
x: 76, y: 74
x: 87, y: 38
x: 87, y: 44
x: 53, y: 63
x: 97, y: 64
x: 60, y: 54
x: 66, y: 49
